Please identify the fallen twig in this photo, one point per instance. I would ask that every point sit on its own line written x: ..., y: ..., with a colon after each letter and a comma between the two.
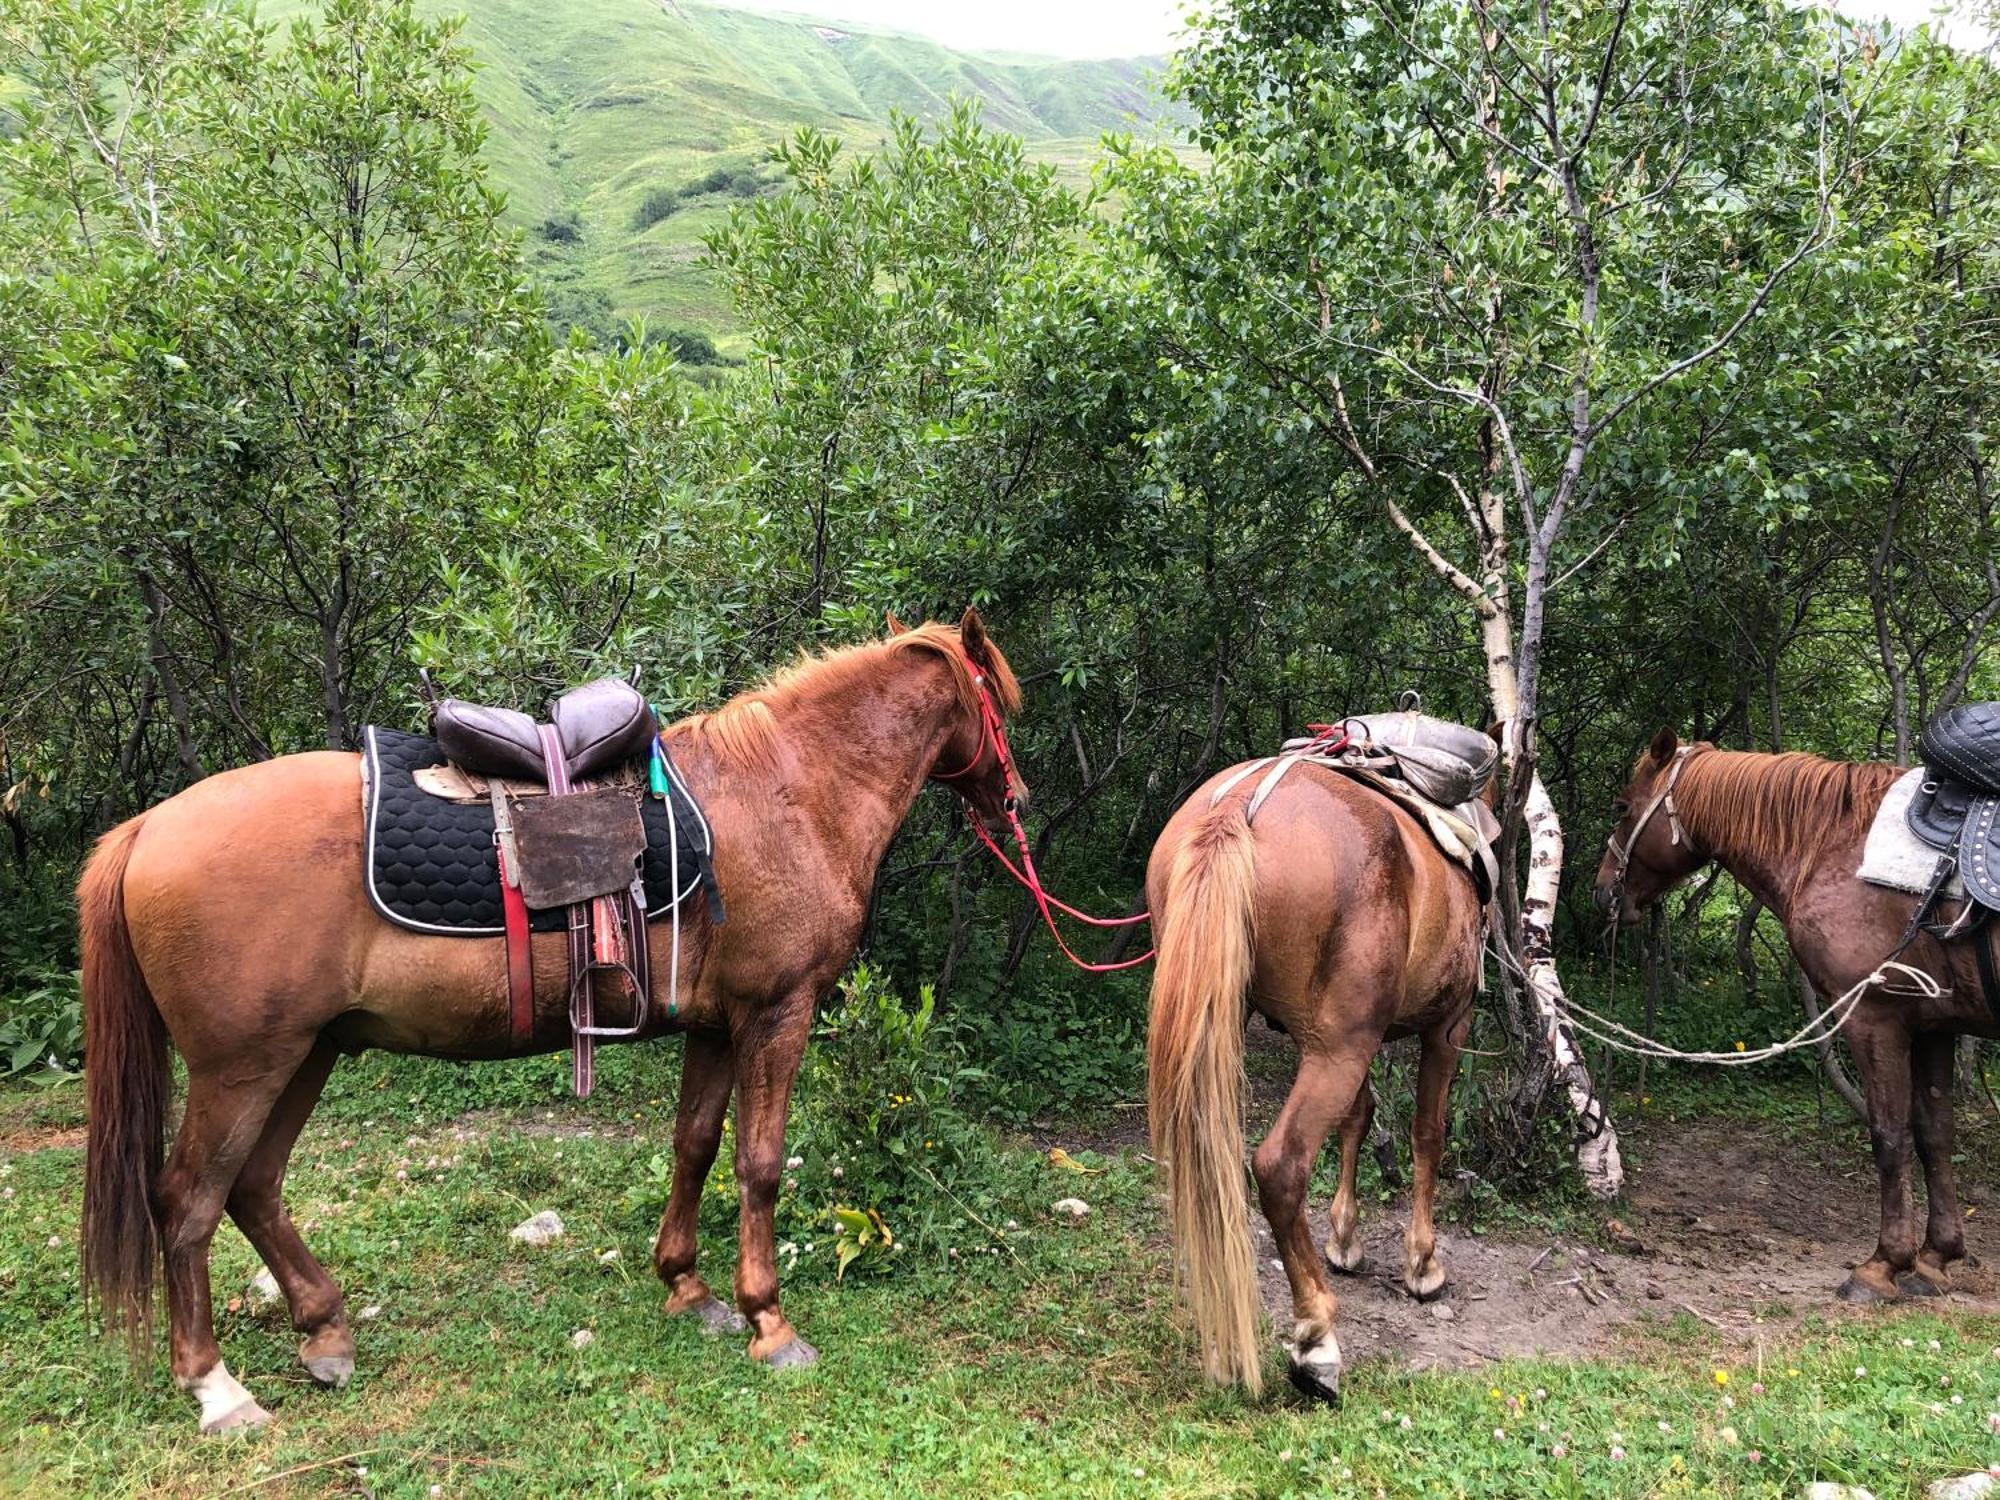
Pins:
x: 324, y: 1463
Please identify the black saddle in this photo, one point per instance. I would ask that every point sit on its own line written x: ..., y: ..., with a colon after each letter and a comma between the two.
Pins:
x: 1957, y: 809
x: 601, y: 726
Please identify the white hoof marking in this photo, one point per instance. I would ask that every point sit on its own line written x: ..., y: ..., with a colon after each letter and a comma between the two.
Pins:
x: 224, y: 1402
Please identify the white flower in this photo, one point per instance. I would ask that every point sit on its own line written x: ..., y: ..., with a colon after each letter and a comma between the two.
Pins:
x: 1860, y: 1370
x: 1499, y: 1434
x: 793, y: 1163
x: 1404, y: 1423
x: 583, y: 1338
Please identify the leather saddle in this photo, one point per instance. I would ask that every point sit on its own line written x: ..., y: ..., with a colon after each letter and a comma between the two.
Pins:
x: 1446, y: 762
x: 599, y: 726
x: 578, y: 848
x: 1957, y: 808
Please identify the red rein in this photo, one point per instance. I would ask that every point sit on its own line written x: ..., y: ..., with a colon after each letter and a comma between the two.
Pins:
x: 994, y: 731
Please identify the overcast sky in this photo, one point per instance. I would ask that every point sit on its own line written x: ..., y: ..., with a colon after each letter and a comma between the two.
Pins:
x: 1094, y: 28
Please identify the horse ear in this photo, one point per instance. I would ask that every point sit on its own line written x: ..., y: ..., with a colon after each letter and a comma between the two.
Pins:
x: 972, y: 636
x: 1665, y: 743
x: 896, y: 626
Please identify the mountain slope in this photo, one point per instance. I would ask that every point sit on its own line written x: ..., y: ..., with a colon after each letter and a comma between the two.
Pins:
x: 597, y: 106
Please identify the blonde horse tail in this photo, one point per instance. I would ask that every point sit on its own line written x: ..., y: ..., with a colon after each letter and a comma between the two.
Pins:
x: 128, y: 1081
x: 1194, y: 1062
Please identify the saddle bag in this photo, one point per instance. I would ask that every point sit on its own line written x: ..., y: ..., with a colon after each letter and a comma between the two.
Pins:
x: 1446, y: 762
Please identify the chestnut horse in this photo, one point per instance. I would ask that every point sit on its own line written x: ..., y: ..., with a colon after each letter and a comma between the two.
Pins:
x: 231, y: 921
x: 1791, y: 828
x: 1336, y: 916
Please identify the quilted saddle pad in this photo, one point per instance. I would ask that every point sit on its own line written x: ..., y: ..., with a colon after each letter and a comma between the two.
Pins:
x: 430, y: 863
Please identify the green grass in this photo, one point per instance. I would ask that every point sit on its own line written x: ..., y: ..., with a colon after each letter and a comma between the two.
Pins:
x: 591, y: 104
x: 1053, y: 1364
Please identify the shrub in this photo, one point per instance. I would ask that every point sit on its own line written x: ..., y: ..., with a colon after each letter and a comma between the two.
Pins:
x: 658, y: 204
x: 567, y: 230
x: 42, y: 1027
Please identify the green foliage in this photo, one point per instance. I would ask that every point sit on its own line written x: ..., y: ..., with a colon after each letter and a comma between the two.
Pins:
x: 41, y: 1028
x: 881, y: 1124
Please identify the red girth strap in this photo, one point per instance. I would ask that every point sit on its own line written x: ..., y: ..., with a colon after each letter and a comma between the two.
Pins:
x: 520, y: 962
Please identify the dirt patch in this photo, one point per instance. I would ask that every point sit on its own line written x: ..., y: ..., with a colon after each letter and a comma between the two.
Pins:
x: 19, y: 1140
x: 1745, y: 1229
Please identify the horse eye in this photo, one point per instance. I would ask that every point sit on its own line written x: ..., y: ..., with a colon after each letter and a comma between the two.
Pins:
x: 1620, y: 808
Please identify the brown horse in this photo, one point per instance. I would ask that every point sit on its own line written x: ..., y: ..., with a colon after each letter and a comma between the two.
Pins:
x: 1335, y: 916
x: 1791, y: 828
x: 231, y: 921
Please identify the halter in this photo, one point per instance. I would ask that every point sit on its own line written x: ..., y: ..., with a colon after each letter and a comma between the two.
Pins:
x: 993, y: 731
x: 1621, y: 854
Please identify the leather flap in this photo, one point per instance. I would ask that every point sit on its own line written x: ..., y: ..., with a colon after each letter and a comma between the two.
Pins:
x: 1964, y: 743
x: 576, y: 847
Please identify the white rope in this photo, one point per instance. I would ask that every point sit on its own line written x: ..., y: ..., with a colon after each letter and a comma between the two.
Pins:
x: 1821, y: 1028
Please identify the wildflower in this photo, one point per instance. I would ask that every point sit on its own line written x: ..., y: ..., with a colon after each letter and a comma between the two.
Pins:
x: 1499, y: 1434
x: 1404, y: 1424
x: 1860, y: 1370
x: 1755, y: 1456
x: 1935, y: 1346
x: 792, y: 1164
x: 1285, y: 1456
x: 1540, y: 1394
x: 1729, y: 1403
x: 1993, y: 1422
x: 1794, y: 1372
x: 1944, y: 1380
x: 1756, y: 1387
x: 1387, y: 1415
x: 1958, y: 1400
x: 1722, y: 1376
x: 1617, y: 1454
x: 1558, y: 1451
x: 1494, y: 1392
x: 1739, y: 1046
x: 1664, y: 1426
x: 1909, y: 1343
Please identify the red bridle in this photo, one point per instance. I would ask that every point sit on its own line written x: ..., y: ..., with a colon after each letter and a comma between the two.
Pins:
x: 993, y: 731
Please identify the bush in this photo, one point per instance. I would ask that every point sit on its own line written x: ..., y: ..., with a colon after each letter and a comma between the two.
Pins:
x: 658, y: 204
x: 41, y: 1028
x: 567, y: 230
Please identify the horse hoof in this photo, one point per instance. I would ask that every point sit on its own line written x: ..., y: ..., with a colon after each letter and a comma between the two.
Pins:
x: 1861, y: 1294
x: 794, y: 1355
x: 244, y: 1418
x: 718, y: 1317
x: 1315, y: 1382
x: 1352, y: 1261
x: 1916, y: 1284
x: 1426, y: 1286
x: 333, y: 1370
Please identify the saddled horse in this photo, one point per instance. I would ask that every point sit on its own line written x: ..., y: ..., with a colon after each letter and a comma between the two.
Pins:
x: 1791, y: 829
x: 1336, y: 916
x: 231, y: 922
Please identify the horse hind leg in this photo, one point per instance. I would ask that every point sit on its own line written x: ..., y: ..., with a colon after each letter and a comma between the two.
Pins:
x: 1423, y: 1272
x: 1343, y: 1250
x: 1881, y: 1048
x: 257, y: 1205
x: 222, y: 1124
x: 1325, y: 1091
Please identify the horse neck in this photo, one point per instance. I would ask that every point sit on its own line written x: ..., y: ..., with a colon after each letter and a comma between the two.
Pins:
x: 1769, y: 870
x: 863, y: 747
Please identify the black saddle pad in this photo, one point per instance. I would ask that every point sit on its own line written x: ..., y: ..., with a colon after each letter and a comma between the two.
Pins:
x: 431, y: 865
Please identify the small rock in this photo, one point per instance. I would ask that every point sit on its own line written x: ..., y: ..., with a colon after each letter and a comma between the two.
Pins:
x: 1442, y: 1312
x: 545, y: 1228
x: 1623, y: 1238
x: 1826, y: 1489
x: 371, y: 1312
x: 263, y: 1288
x: 1965, y: 1487
x: 1654, y: 1291
x: 1074, y: 1208
x: 608, y: 1258
x: 583, y: 1338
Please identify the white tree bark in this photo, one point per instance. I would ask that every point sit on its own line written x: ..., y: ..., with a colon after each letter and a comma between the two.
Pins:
x: 1597, y: 1153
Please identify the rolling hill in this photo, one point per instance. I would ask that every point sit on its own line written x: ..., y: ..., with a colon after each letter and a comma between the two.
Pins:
x: 597, y: 106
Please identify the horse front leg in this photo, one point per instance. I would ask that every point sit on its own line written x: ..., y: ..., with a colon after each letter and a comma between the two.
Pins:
x: 1423, y: 1272
x: 706, y: 1076
x: 1932, y: 1057
x: 768, y: 1051
x: 1881, y: 1048
x: 1343, y: 1250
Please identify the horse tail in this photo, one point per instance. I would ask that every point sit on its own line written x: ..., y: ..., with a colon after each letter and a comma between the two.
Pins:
x: 1194, y: 1062
x: 129, y: 1081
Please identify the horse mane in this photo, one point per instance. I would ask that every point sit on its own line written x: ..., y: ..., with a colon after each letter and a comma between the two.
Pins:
x: 1791, y: 804
x: 745, y: 729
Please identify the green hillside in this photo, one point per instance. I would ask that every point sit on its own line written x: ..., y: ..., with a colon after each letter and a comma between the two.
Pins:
x: 598, y: 106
